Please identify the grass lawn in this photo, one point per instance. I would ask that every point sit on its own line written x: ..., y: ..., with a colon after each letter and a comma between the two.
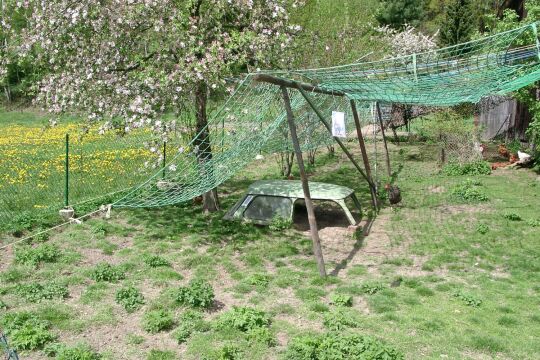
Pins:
x: 451, y: 273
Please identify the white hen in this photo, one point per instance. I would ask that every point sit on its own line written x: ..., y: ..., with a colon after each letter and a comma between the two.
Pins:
x: 523, y: 157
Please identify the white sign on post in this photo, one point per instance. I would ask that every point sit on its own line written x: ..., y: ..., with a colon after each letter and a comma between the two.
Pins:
x: 338, y: 124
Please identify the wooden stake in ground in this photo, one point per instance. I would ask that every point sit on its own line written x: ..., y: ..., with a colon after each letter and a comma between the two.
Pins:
x: 384, y: 140
x: 305, y: 186
x: 364, y: 154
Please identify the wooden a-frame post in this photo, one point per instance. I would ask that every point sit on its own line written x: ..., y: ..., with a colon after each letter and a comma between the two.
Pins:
x: 305, y: 185
x: 364, y: 154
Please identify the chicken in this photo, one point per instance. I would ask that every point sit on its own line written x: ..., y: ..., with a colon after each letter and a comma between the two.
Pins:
x: 524, y: 157
x: 503, y: 151
x: 394, y: 194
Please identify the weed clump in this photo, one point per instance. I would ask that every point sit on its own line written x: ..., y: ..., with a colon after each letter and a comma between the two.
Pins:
x: 473, y: 168
x: 279, y: 223
x: 36, y: 292
x: 26, y: 331
x: 130, y: 298
x: 482, y: 229
x: 78, y: 352
x: 341, y: 300
x: 371, y: 288
x: 468, y: 299
x: 512, y: 216
x: 198, y: 294
x: 190, y: 322
x: 339, y: 320
x: 245, y: 319
x: 336, y: 345
x: 469, y: 191
x: 157, y: 320
x: 107, y: 272
x: 155, y: 261
x: 43, y: 253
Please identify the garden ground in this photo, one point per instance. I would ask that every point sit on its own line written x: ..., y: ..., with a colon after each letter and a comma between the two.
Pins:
x: 453, y: 272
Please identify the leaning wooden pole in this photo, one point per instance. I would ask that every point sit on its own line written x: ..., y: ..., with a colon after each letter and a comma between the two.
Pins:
x: 339, y: 142
x: 364, y: 154
x: 305, y: 185
x: 384, y: 140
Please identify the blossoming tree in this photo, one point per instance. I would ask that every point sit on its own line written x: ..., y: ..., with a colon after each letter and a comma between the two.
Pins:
x: 135, y: 60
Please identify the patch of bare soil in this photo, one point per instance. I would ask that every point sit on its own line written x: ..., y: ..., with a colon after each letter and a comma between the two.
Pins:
x: 6, y: 258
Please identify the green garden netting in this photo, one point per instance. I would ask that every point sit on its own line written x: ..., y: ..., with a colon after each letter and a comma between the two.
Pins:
x: 253, y: 120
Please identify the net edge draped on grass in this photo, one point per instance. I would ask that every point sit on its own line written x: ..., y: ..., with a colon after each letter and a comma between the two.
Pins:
x: 252, y: 120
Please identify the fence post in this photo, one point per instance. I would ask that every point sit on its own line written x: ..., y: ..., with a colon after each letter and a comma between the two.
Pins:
x: 164, y: 158
x: 66, y: 189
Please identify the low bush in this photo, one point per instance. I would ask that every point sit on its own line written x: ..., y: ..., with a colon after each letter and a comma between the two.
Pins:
x: 279, y: 223
x: 339, y: 346
x: 512, y: 216
x: 107, y: 272
x: 190, y: 322
x: 43, y: 253
x: 77, y: 352
x: 226, y: 352
x: 533, y: 222
x: 26, y: 331
x: 468, y: 299
x: 341, y: 300
x: 243, y: 318
x: 130, y: 298
x: 371, y: 288
x: 339, y: 320
x: 36, y: 292
x: 157, y: 320
x: 155, y: 261
x: 473, y: 168
x: 198, y: 294
x: 482, y: 229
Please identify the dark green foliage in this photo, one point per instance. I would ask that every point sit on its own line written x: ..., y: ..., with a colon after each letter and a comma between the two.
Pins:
x: 512, y: 216
x: 156, y: 261
x: 243, y: 318
x: 469, y: 191
x: 78, y: 352
x: 336, y: 346
x: 190, y: 321
x: 482, y: 229
x: 533, y: 222
x: 157, y: 320
x: 107, y: 272
x: 161, y: 355
x: 341, y: 300
x: 198, y: 293
x: 259, y: 280
x: 261, y: 335
x: 458, y: 23
x: 226, y: 352
x: 279, y: 223
x: 339, y: 320
x: 468, y: 299
x: 130, y: 298
x: 36, y: 292
x: 397, y: 13
x: 43, y: 253
x: 26, y: 331
x: 479, y: 167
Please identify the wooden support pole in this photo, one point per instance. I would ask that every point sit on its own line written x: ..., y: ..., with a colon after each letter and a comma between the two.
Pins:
x: 384, y: 140
x: 364, y: 154
x: 294, y: 84
x: 305, y: 185
x: 340, y: 143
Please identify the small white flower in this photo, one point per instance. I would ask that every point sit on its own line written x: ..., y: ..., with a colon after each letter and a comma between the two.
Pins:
x: 259, y: 157
x: 172, y: 167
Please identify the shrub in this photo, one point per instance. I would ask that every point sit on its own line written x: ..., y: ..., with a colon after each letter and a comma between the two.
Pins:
x: 339, y: 346
x: 155, y: 261
x: 156, y: 321
x: 473, y: 168
x: 198, y: 293
x: 107, y: 272
x: 243, y: 318
x: 341, y: 300
x: 35, y: 292
x: 512, y: 217
x: 468, y: 191
x: 261, y: 335
x: 78, y: 352
x: 279, y: 223
x: 130, y: 298
x: 26, y: 331
x: 43, y: 253
x: 161, y: 355
x: 190, y: 322
x: 468, y: 299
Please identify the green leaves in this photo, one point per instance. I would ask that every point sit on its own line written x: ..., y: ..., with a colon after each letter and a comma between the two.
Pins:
x: 130, y: 298
x: 26, y: 331
x: 243, y: 318
x: 36, y: 292
x: 43, y: 253
x: 107, y: 272
x: 157, y: 320
x: 198, y: 293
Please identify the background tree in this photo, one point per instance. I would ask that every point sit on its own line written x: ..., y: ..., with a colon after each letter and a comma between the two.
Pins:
x: 458, y: 24
x: 398, y: 13
x: 136, y: 60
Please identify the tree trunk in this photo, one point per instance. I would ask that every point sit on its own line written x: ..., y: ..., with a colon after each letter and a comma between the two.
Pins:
x: 202, y: 142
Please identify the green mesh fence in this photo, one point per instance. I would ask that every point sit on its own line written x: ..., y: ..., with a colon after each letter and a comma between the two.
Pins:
x: 253, y: 119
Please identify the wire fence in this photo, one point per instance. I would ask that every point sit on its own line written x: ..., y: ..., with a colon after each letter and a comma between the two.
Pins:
x: 9, y: 354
